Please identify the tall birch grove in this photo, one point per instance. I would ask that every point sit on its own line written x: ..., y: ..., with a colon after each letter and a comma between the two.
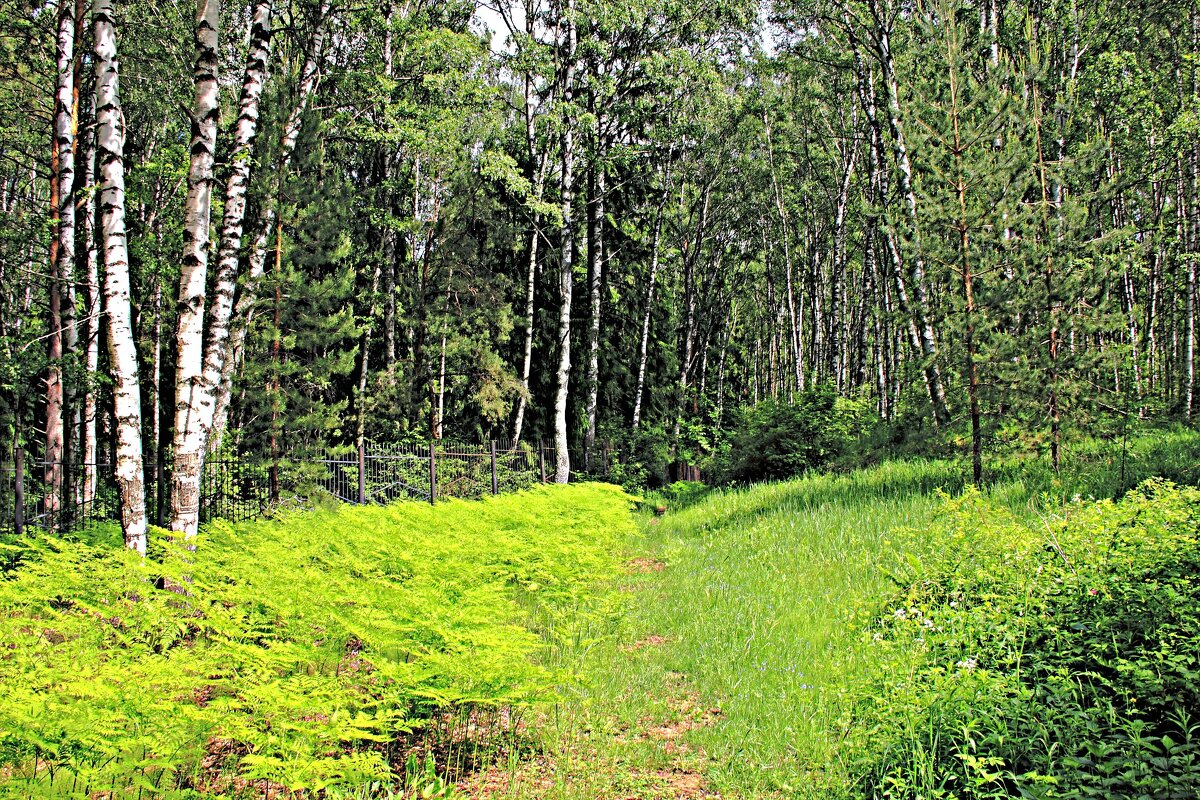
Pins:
x: 620, y: 231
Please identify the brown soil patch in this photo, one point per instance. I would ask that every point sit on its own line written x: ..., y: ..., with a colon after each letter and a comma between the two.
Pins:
x: 685, y: 785
x: 606, y: 773
x: 643, y: 566
x: 653, y: 640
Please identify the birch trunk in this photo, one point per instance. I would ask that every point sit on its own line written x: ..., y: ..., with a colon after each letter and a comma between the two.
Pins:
x: 688, y: 342
x: 534, y: 238
x: 839, y: 285
x: 596, y: 282
x: 92, y: 343
x: 643, y: 348
x: 866, y: 88
x: 527, y: 358
x: 127, y: 403
x: 232, y: 224
x: 1189, y: 346
x: 919, y: 301
x: 193, y: 276
x: 785, y: 225
x: 562, y: 467
x: 257, y: 257
x: 62, y: 254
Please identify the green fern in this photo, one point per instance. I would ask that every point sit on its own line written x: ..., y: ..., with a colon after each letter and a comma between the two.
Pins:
x: 301, y: 651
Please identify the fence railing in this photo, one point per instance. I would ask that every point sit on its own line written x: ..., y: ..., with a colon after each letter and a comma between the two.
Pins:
x: 241, y: 488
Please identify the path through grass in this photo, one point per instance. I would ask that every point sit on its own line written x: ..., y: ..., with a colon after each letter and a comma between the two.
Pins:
x: 721, y: 675
x: 729, y: 671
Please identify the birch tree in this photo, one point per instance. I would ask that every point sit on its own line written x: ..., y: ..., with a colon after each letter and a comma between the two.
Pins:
x: 62, y: 253
x: 127, y: 398
x: 190, y: 400
x: 566, y: 277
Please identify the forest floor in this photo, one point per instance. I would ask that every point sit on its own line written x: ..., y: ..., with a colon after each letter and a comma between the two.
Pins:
x: 741, y: 646
x: 738, y: 636
x: 718, y: 677
x: 626, y: 735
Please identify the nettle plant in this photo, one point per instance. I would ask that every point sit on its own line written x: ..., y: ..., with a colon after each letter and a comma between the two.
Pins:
x: 1057, y: 659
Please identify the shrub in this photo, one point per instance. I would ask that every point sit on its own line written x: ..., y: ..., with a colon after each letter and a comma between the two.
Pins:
x: 645, y: 460
x: 775, y: 440
x: 1055, y: 660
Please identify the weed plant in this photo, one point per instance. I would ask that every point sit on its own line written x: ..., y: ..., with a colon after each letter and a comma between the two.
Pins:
x: 306, y: 653
x: 1055, y: 659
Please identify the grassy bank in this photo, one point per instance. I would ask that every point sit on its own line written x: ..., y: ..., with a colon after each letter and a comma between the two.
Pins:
x: 853, y: 636
x: 332, y: 649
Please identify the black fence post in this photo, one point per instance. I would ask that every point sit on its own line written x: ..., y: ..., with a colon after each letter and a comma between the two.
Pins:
x: 362, y: 474
x: 19, y: 492
x: 541, y: 461
x: 432, y: 476
x: 495, y: 475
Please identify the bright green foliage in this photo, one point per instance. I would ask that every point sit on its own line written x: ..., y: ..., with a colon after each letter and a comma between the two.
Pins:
x: 761, y: 584
x: 1052, y: 659
x: 298, y: 651
x: 777, y: 604
x: 775, y: 440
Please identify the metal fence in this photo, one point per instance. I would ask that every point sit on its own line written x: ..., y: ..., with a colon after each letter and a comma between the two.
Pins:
x: 244, y: 488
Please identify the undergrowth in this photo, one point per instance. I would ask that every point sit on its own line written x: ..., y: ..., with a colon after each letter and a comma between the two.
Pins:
x: 894, y: 633
x: 315, y: 652
x: 1051, y: 659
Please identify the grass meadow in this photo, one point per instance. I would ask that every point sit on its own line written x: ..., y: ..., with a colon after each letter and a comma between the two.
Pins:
x: 749, y: 635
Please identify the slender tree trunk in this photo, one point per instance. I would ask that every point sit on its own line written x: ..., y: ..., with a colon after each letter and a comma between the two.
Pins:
x: 727, y: 335
x: 390, y: 235
x: 364, y: 361
x: 866, y: 88
x: 92, y: 343
x: 786, y: 231
x: 1189, y: 300
x: 964, y: 254
x: 919, y: 300
x: 245, y: 132
x: 257, y: 257
x: 562, y: 471
x: 840, y: 282
x: 539, y: 184
x: 595, y: 281
x: 62, y: 254
x: 691, y: 252
x: 274, y: 386
x: 189, y: 437
x: 644, y: 345
x: 965, y: 262
x: 527, y: 348
x: 110, y: 145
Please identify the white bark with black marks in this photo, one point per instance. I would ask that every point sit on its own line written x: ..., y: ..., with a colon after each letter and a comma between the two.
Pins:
x: 257, y: 257
x: 562, y: 467
x: 189, y: 336
x: 127, y: 400
x: 232, y: 224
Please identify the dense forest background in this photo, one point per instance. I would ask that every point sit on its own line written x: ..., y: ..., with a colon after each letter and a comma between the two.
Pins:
x: 288, y: 225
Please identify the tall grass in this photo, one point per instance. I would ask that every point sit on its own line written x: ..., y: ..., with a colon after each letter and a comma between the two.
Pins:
x: 767, y: 591
x: 760, y: 587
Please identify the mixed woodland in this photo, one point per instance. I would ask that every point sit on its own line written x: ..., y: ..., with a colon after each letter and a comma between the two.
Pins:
x: 690, y: 229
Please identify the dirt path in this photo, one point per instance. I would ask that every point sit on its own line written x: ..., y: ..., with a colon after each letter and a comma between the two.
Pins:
x: 634, y: 746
